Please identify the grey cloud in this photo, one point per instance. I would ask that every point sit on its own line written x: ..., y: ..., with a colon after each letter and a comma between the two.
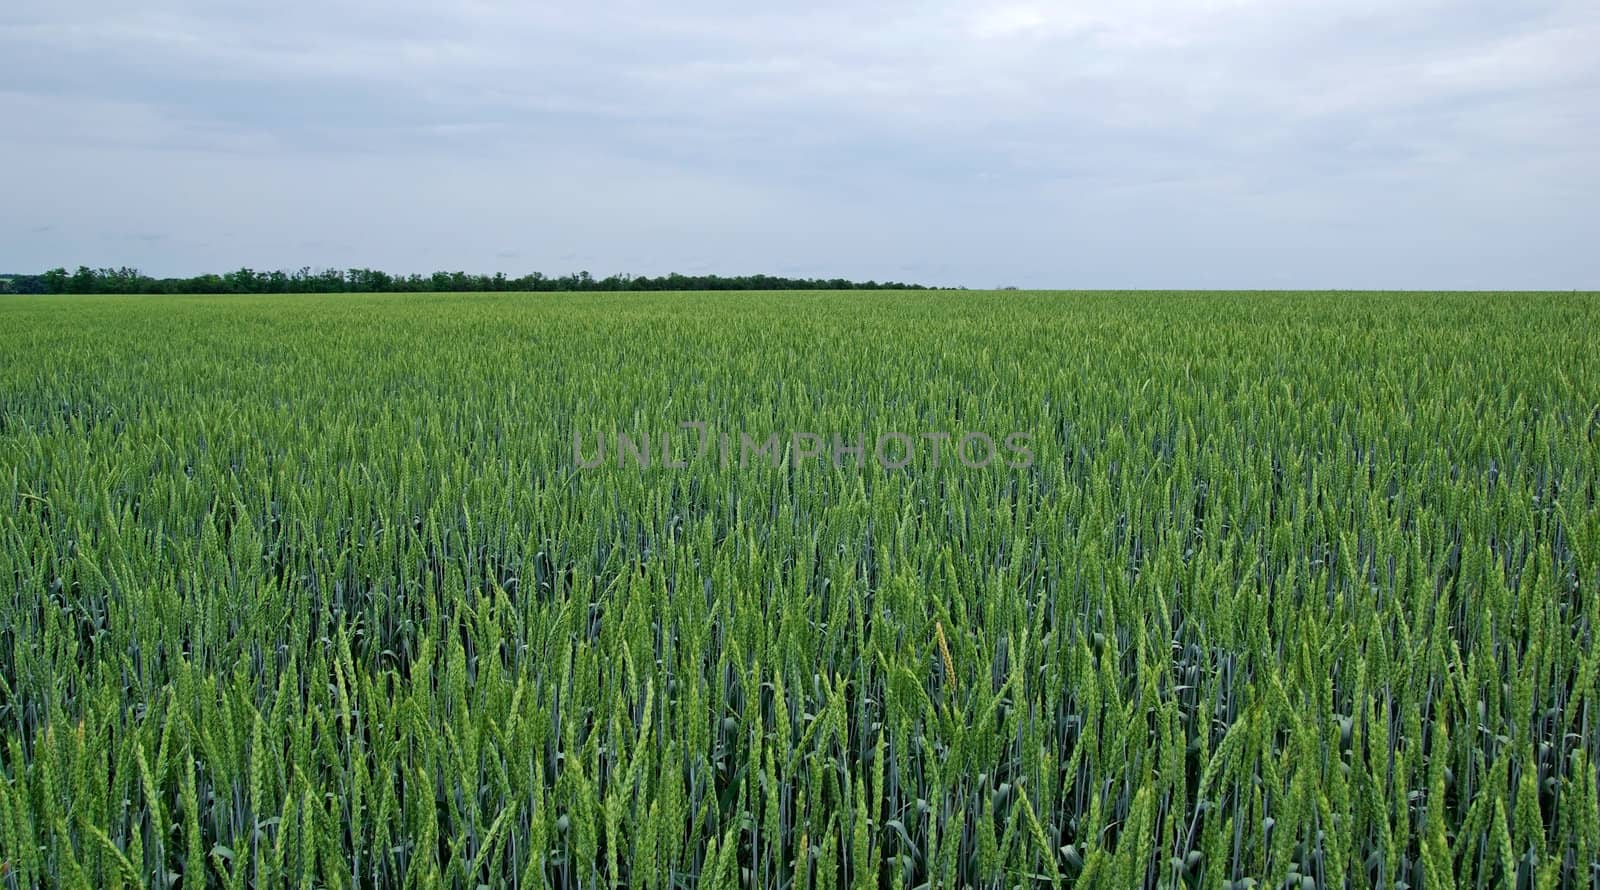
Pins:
x: 1103, y: 143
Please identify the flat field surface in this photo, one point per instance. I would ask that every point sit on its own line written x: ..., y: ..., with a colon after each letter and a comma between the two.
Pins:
x: 1299, y: 589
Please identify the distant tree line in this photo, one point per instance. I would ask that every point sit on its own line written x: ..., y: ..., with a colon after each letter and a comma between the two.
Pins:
x: 358, y: 281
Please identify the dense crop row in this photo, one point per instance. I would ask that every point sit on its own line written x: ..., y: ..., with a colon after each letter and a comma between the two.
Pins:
x: 1301, y: 590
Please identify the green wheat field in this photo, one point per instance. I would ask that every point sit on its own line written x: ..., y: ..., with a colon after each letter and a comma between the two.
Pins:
x: 1301, y: 590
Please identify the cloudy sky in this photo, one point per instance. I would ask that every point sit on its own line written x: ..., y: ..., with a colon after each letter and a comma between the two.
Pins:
x: 1101, y: 143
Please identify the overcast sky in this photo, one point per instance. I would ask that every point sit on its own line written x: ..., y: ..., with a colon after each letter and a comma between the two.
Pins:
x: 1103, y: 143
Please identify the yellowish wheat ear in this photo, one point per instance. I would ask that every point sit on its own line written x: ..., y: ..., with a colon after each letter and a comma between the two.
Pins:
x: 944, y: 653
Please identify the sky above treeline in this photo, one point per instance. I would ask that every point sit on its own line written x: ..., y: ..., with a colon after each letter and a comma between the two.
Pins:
x: 1104, y: 143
